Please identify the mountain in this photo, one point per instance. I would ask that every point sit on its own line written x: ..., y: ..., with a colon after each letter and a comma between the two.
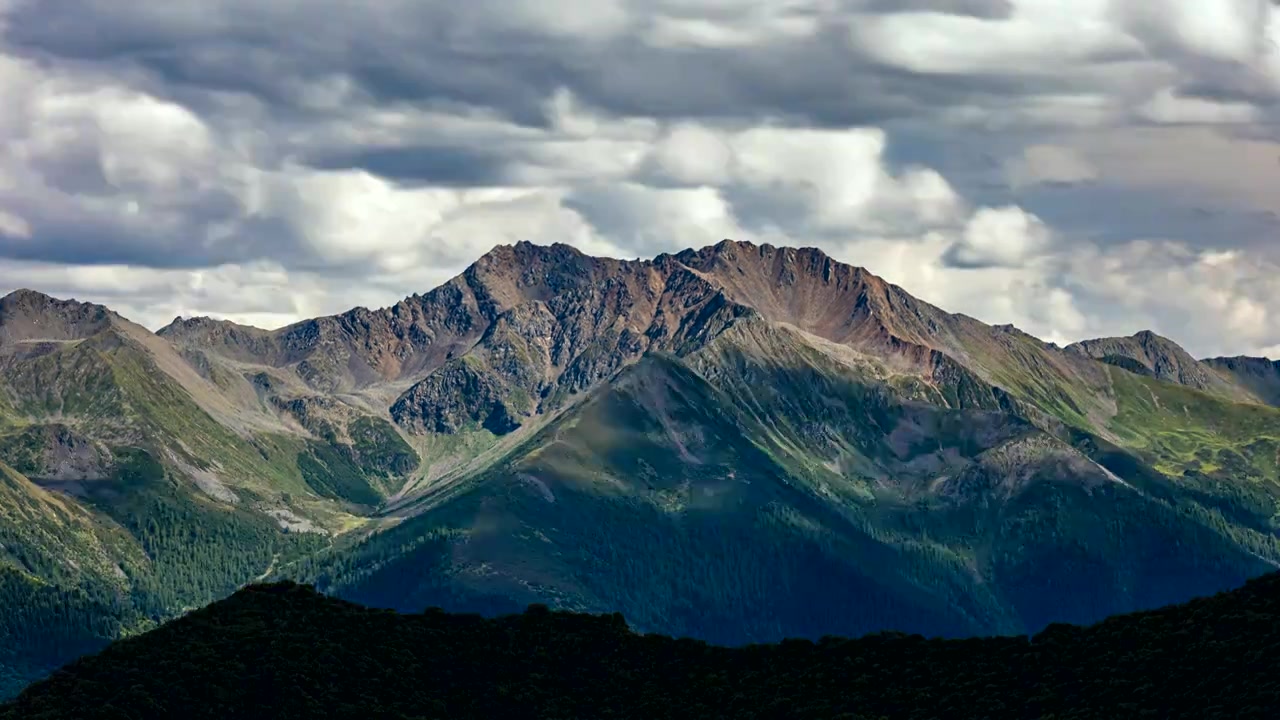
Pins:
x: 739, y: 443
x: 1146, y: 353
x: 1259, y: 376
x: 314, y: 656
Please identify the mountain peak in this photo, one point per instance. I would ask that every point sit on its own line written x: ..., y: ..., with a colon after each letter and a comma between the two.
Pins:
x: 33, y: 299
x: 525, y: 251
x: 1259, y: 375
x: 1147, y: 353
x: 27, y: 315
x: 1150, y: 336
x: 26, y: 295
x: 201, y: 323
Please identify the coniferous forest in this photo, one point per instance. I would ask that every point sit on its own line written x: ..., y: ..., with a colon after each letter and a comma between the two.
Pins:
x: 285, y: 651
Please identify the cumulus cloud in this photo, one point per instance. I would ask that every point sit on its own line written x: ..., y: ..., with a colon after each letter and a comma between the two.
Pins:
x: 999, y: 237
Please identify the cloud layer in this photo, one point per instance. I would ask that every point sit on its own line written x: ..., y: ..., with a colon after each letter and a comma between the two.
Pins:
x: 1078, y: 169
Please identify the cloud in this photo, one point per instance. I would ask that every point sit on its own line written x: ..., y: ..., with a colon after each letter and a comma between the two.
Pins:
x: 1034, y: 40
x: 999, y: 237
x: 648, y: 221
x: 1011, y: 159
x: 1169, y: 107
x: 1049, y: 165
x: 14, y: 226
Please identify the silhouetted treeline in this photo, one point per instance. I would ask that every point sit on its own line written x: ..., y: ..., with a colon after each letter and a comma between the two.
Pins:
x: 285, y: 651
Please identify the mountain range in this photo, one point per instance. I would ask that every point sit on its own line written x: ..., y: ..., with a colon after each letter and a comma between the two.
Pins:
x: 739, y: 443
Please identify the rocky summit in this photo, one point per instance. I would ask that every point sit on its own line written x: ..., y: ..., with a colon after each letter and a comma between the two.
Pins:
x: 739, y: 443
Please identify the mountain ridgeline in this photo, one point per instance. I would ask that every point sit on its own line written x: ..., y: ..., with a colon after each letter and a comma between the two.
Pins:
x: 740, y: 443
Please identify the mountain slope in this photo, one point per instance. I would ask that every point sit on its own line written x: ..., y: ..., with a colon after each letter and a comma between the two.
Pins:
x: 318, y: 657
x: 1260, y: 376
x: 74, y: 564
x: 733, y: 510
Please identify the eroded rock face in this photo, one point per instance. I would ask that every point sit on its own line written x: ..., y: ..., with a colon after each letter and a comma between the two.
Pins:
x: 527, y: 328
x: 561, y: 323
x: 459, y: 395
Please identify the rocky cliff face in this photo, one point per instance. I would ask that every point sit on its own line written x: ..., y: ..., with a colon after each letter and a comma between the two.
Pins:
x: 1261, y: 376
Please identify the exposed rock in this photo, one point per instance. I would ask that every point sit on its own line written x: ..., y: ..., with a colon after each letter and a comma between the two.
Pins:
x: 1261, y: 376
x: 461, y: 394
x: 29, y: 317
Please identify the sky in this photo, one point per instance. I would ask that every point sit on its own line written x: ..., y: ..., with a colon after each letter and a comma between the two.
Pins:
x: 1078, y: 168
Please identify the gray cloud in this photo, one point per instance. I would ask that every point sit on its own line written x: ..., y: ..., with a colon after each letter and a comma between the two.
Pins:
x: 432, y: 51
x: 427, y: 165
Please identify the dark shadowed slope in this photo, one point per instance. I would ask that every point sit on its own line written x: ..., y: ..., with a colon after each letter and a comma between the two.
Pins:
x: 284, y: 651
x: 1261, y: 376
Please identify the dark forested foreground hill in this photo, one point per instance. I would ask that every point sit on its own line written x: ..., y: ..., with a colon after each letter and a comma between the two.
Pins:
x: 286, y: 651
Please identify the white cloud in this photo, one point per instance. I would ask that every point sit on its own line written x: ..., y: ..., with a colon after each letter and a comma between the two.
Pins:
x: 1213, y: 302
x: 733, y: 23
x: 1040, y: 37
x: 1005, y: 236
x: 691, y: 154
x: 261, y: 294
x: 649, y: 221
x: 829, y: 180
x: 1225, y: 30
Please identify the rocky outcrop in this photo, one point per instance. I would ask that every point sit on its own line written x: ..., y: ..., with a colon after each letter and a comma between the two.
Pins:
x: 459, y: 396
x: 1261, y: 376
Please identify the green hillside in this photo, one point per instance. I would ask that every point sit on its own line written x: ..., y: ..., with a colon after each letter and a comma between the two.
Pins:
x: 669, y: 498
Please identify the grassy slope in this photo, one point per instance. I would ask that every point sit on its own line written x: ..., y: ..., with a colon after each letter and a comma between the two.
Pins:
x: 652, y: 499
x: 178, y: 544
x: 64, y: 578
